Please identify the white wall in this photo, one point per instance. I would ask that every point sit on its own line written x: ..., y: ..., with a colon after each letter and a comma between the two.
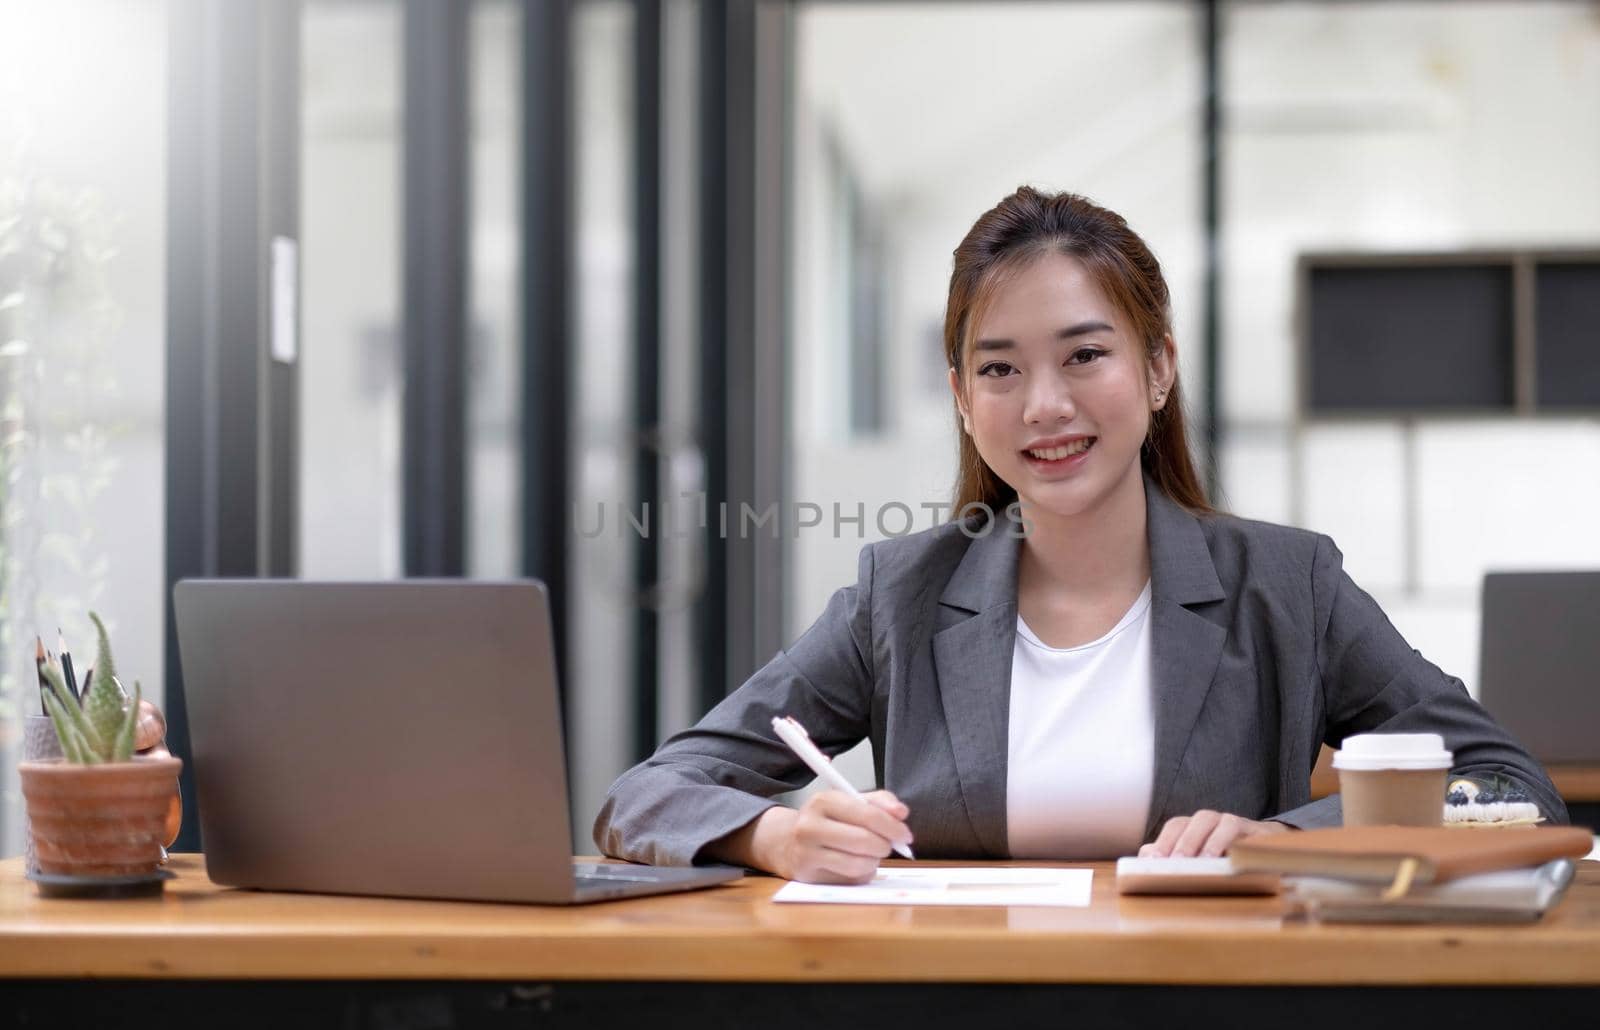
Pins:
x: 1406, y: 127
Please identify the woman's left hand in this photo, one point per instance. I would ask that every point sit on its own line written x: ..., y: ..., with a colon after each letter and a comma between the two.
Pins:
x: 1206, y: 833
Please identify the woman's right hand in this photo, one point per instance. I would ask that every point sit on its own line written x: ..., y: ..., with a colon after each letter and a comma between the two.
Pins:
x: 832, y: 838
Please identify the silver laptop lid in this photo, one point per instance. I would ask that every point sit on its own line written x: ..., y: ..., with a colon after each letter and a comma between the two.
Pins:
x: 396, y: 738
x: 1540, y: 670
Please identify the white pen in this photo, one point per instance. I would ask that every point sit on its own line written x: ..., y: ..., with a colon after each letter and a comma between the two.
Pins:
x: 792, y: 733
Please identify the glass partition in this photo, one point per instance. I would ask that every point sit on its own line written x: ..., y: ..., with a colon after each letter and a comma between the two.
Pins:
x: 494, y: 309
x: 599, y: 570
x: 351, y: 370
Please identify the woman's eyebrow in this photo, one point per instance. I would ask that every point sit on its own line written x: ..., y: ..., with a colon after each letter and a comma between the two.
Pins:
x: 1080, y: 329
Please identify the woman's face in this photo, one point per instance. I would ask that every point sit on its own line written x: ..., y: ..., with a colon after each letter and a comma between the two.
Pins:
x: 1056, y: 395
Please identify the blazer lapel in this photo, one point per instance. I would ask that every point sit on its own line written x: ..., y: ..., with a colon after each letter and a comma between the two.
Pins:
x: 976, y: 634
x: 1185, y: 646
x: 972, y: 648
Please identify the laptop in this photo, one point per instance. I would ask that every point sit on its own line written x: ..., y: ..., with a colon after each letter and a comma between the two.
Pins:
x: 398, y: 738
x: 1540, y: 669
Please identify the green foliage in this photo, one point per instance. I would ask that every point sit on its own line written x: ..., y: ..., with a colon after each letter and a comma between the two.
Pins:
x: 122, y: 747
x: 102, y: 728
x: 104, y: 700
x: 68, y: 721
x: 58, y: 388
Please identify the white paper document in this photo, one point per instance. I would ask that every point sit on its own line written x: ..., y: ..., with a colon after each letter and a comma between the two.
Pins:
x: 967, y: 885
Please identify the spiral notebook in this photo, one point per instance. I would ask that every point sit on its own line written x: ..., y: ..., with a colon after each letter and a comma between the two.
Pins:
x: 1503, y: 896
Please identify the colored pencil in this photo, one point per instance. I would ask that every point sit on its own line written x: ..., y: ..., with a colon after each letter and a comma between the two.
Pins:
x: 39, y: 658
x: 66, y: 665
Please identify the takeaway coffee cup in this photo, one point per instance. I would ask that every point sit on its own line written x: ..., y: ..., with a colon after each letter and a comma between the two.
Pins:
x: 1393, y: 779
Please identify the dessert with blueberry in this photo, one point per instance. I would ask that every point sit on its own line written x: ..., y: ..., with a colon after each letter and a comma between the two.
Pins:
x: 1467, y: 803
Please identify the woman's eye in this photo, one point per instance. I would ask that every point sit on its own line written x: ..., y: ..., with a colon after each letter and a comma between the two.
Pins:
x: 996, y: 369
x: 1085, y: 355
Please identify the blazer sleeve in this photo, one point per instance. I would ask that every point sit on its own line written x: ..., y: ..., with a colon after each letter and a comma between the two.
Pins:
x: 1373, y: 681
x: 717, y: 776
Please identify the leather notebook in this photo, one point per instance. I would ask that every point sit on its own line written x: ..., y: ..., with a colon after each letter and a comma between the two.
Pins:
x: 1402, y: 855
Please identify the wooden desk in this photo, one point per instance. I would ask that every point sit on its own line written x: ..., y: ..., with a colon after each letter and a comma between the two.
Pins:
x: 1577, y: 784
x: 696, y: 950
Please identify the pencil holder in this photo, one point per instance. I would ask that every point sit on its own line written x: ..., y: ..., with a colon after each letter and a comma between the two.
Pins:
x: 39, y: 744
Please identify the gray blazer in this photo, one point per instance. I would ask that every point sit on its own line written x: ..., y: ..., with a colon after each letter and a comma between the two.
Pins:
x: 1262, y: 650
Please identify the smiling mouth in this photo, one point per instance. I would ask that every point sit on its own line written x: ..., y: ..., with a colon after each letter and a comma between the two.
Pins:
x: 1063, y: 452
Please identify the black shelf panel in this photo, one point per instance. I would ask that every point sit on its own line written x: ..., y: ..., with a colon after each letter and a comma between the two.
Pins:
x: 1567, y: 321
x: 1422, y: 338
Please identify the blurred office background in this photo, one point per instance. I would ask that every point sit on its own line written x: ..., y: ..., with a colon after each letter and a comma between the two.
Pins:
x: 376, y: 288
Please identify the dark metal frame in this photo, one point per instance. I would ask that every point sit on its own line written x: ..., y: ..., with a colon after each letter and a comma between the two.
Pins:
x: 435, y: 212
x: 711, y: 610
x: 233, y: 157
x: 545, y: 462
x: 745, y: 61
x: 1211, y: 207
x: 647, y: 363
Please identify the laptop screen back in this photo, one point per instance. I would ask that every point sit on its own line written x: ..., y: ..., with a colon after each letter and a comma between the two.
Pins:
x: 1540, y: 670
x: 397, y: 738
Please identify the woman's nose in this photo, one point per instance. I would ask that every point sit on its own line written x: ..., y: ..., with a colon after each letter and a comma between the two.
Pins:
x: 1049, y: 400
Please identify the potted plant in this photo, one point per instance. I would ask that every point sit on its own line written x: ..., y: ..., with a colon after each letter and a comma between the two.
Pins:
x: 101, y: 810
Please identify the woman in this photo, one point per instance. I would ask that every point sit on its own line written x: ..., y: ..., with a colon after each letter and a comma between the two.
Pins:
x: 1088, y: 660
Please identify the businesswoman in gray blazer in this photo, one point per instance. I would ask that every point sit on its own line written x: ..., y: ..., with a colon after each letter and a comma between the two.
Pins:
x: 1087, y: 660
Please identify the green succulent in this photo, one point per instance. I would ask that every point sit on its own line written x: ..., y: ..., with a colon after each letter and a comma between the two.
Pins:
x: 101, y: 729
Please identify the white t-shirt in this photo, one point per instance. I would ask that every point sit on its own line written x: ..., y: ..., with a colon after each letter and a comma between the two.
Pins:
x: 1081, y: 743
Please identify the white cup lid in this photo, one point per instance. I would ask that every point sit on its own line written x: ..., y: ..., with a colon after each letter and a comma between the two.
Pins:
x: 1393, y: 751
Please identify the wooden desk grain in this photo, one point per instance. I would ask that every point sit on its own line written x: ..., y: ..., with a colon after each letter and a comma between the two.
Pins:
x: 734, y: 933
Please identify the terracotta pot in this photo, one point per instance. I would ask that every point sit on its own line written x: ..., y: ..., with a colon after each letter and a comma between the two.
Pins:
x: 175, y: 808
x: 99, y: 820
x: 40, y: 744
x: 169, y: 833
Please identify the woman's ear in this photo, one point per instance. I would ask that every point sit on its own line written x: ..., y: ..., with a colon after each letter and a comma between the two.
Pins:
x: 1163, y: 372
x: 961, y: 403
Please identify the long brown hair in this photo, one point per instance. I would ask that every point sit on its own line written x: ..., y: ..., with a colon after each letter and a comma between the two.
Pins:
x: 1019, y: 229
